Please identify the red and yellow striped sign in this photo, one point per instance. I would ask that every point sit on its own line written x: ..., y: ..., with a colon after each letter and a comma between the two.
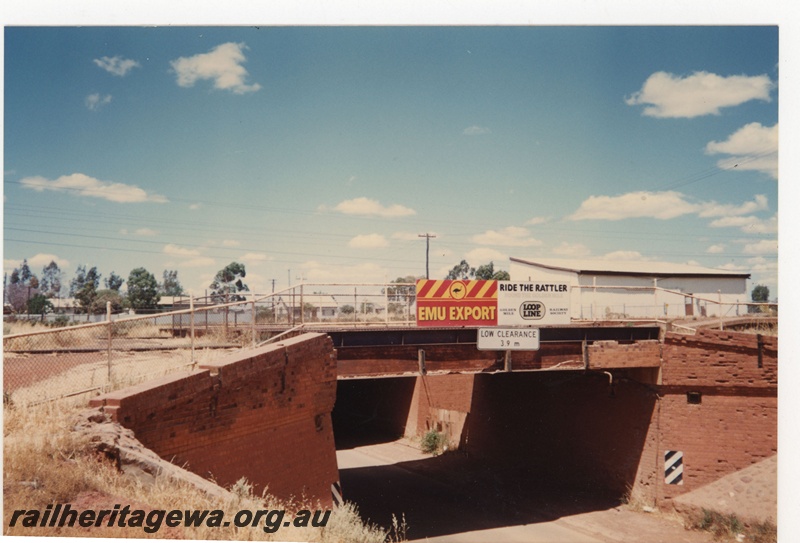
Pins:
x: 456, y: 302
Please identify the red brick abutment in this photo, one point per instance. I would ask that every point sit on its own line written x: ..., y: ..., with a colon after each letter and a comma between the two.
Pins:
x: 621, y: 411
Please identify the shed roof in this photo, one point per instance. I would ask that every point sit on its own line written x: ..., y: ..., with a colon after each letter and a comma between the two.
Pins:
x: 647, y: 268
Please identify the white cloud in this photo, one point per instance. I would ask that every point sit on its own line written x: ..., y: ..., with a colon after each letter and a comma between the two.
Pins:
x: 475, y: 130
x: 368, y: 241
x: 36, y: 262
x: 177, y: 250
x: 117, y: 65
x: 230, y: 243
x: 408, y: 236
x: 753, y: 147
x: 367, y: 272
x: 195, y: 207
x: 715, y: 249
x: 536, y: 220
x: 484, y: 255
x: 759, y: 264
x: 198, y: 262
x: 368, y: 207
x: 511, y: 236
x: 656, y: 205
x: 572, y: 249
x: 748, y: 224
x: 765, y: 226
x: 83, y: 185
x: 625, y: 255
x: 702, y: 93
x: 763, y: 247
x: 222, y: 65
x: 96, y: 101
x: 664, y: 206
x: 713, y: 209
x: 249, y: 258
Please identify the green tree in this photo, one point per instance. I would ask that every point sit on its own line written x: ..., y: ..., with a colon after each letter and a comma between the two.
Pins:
x: 487, y: 271
x: 25, y: 272
x: 461, y: 271
x: 104, y: 296
x: 40, y: 305
x: 228, y: 282
x: 402, y: 292
x: 51, y: 282
x: 83, y: 287
x: 760, y: 294
x: 142, y: 289
x: 171, y: 286
x: 114, y: 282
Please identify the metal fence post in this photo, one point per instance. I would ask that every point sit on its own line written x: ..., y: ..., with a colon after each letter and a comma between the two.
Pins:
x: 109, y: 325
x: 253, y: 325
x: 191, y: 326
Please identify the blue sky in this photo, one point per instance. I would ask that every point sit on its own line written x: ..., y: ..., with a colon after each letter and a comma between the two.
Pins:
x: 323, y: 152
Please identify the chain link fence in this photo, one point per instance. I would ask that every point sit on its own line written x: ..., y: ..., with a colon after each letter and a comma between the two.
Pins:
x: 42, y: 363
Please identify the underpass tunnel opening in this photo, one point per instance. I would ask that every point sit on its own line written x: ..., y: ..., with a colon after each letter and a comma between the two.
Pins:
x: 369, y: 411
x: 585, y: 431
x: 534, y: 446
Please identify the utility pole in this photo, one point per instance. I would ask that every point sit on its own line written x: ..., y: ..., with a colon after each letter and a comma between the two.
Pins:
x: 427, y: 237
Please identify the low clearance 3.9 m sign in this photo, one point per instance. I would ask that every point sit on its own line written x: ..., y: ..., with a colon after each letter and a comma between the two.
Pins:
x: 491, y: 303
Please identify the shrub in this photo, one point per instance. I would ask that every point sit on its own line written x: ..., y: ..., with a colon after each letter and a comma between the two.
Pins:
x: 432, y: 442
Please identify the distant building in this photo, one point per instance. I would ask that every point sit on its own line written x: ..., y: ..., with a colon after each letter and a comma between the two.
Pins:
x: 317, y: 306
x: 695, y: 290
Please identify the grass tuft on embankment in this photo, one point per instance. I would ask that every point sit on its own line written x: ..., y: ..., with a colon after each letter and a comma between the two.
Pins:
x: 46, y: 463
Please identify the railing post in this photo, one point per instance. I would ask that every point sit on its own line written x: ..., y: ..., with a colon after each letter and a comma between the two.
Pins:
x: 253, y: 325
x: 191, y: 326
x: 302, y: 306
x: 386, y: 302
x: 109, y: 325
x: 719, y: 298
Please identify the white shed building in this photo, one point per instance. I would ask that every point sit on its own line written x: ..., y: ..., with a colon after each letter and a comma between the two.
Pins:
x: 656, y: 289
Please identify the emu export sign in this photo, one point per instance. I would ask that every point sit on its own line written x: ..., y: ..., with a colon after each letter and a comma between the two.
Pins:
x: 491, y: 303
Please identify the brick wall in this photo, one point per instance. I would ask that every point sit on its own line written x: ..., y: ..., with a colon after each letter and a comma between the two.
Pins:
x: 442, y: 403
x: 566, y: 429
x: 734, y: 424
x: 576, y: 428
x: 262, y: 414
x: 611, y: 354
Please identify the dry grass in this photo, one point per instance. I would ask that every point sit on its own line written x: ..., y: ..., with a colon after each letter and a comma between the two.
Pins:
x: 46, y: 463
x: 128, y: 368
x: 729, y: 526
x: 57, y: 338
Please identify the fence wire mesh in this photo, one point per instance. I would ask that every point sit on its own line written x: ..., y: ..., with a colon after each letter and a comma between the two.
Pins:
x: 48, y: 364
x: 42, y: 363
